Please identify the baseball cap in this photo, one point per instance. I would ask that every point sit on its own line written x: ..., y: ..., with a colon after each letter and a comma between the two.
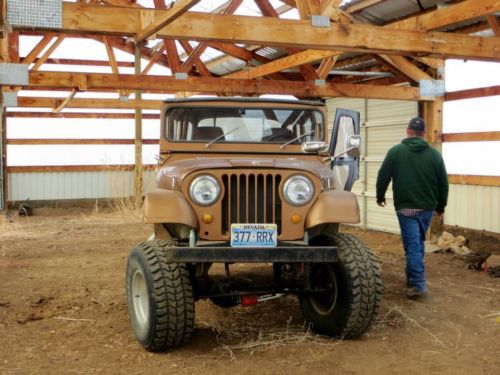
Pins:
x: 417, y: 123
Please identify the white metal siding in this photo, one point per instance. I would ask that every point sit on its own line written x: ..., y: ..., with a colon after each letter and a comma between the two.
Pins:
x: 475, y: 207
x: 75, y: 185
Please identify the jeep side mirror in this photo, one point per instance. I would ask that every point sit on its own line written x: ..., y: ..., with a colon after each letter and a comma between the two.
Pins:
x: 314, y: 146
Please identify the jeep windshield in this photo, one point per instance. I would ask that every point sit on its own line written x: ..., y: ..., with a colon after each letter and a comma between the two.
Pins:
x: 244, y: 125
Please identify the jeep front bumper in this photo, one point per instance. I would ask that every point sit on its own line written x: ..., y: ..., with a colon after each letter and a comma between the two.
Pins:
x: 280, y: 254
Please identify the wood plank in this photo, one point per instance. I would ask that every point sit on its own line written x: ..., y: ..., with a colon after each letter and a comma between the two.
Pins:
x: 494, y: 24
x: 97, y: 81
x: 474, y: 180
x: 37, y: 49
x: 362, y: 5
x: 47, y: 53
x: 403, y: 65
x: 296, y: 33
x: 65, y: 102
x: 451, y: 15
x: 79, y: 141
x: 72, y: 115
x: 172, y: 55
x: 473, y: 93
x: 76, y: 168
x: 283, y: 63
x: 175, y: 11
x: 325, y: 66
x: 111, y: 56
x: 87, y: 62
x: 13, y: 46
x: 47, y: 102
x: 472, y: 137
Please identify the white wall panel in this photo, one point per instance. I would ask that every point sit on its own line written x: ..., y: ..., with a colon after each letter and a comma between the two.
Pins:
x: 381, y: 218
x: 75, y: 185
x: 475, y: 207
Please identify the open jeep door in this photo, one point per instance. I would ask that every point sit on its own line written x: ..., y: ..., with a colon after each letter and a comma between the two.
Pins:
x: 345, y: 139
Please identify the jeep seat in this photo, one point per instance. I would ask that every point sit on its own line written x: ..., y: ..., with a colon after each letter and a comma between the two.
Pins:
x: 207, y: 133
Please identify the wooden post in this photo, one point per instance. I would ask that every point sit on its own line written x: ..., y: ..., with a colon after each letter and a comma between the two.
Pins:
x: 138, y: 133
x: 3, y: 157
x: 433, y: 116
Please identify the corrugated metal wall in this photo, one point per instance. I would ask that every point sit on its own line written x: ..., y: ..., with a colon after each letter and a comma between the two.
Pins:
x: 475, y: 207
x: 75, y: 185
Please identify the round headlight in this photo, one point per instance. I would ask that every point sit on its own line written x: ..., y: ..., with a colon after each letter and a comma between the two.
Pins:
x: 204, y: 190
x: 298, y: 190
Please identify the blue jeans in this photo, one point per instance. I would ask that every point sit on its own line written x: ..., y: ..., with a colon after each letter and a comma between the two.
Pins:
x: 413, y: 229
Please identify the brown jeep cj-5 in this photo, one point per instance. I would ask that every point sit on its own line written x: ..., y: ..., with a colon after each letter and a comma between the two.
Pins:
x: 252, y: 181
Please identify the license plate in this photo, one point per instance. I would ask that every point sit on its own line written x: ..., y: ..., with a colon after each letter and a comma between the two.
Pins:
x: 254, y: 235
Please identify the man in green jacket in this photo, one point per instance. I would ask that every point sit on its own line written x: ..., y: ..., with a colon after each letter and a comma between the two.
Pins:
x: 420, y: 187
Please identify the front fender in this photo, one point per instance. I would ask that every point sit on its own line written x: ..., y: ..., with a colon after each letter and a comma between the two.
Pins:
x: 336, y: 206
x: 168, y: 206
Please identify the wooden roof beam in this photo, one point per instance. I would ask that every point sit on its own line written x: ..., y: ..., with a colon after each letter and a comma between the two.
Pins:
x: 111, y: 56
x: 266, y: 31
x: 88, y: 103
x: 494, y: 24
x: 195, y: 55
x: 97, y: 81
x: 48, y: 52
x: 176, y: 10
x: 362, y: 5
x: 267, y: 10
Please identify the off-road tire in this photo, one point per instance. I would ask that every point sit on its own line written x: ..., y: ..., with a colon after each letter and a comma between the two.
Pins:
x: 358, y: 288
x: 162, y: 315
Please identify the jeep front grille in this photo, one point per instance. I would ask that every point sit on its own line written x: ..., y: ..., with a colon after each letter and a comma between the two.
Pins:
x: 251, y: 198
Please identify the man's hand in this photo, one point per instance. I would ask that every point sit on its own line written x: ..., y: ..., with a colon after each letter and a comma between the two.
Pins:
x: 381, y: 203
x: 439, y: 215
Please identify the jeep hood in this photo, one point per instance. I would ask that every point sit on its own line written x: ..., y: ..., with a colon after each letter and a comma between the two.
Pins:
x: 180, y: 169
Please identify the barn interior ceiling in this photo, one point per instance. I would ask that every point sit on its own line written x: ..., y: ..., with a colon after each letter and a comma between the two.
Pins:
x: 386, y: 49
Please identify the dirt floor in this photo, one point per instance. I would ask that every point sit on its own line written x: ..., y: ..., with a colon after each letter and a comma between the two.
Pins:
x: 63, y: 310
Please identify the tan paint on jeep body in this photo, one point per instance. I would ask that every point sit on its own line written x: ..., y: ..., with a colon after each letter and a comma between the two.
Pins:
x: 183, y: 161
x: 168, y: 206
x: 336, y: 206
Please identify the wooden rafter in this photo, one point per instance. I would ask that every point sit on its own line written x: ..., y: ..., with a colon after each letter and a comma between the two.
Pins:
x: 472, y: 137
x: 195, y: 55
x: 176, y: 10
x: 172, y: 55
x: 441, y: 18
x: 267, y: 10
x: 473, y: 93
x: 266, y: 31
x: 198, y: 63
x: 361, y: 5
x: 403, y: 65
x: 494, y: 24
x: 48, y: 52
x: 46, y: 102
x: 111, y: 56
x: 30, y: 58
x: 97, y: 81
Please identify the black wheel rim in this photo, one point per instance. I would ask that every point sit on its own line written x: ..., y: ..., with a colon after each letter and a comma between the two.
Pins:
x: 323, y: 277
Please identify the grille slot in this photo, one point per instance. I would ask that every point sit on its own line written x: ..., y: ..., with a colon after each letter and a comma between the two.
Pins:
x: 250, y: 198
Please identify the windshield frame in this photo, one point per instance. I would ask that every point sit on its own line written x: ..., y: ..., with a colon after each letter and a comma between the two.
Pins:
x: 167, y: 118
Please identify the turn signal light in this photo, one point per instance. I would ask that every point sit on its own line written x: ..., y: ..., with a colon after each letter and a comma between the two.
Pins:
x: 207, y: 218
x: 295, y: 218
